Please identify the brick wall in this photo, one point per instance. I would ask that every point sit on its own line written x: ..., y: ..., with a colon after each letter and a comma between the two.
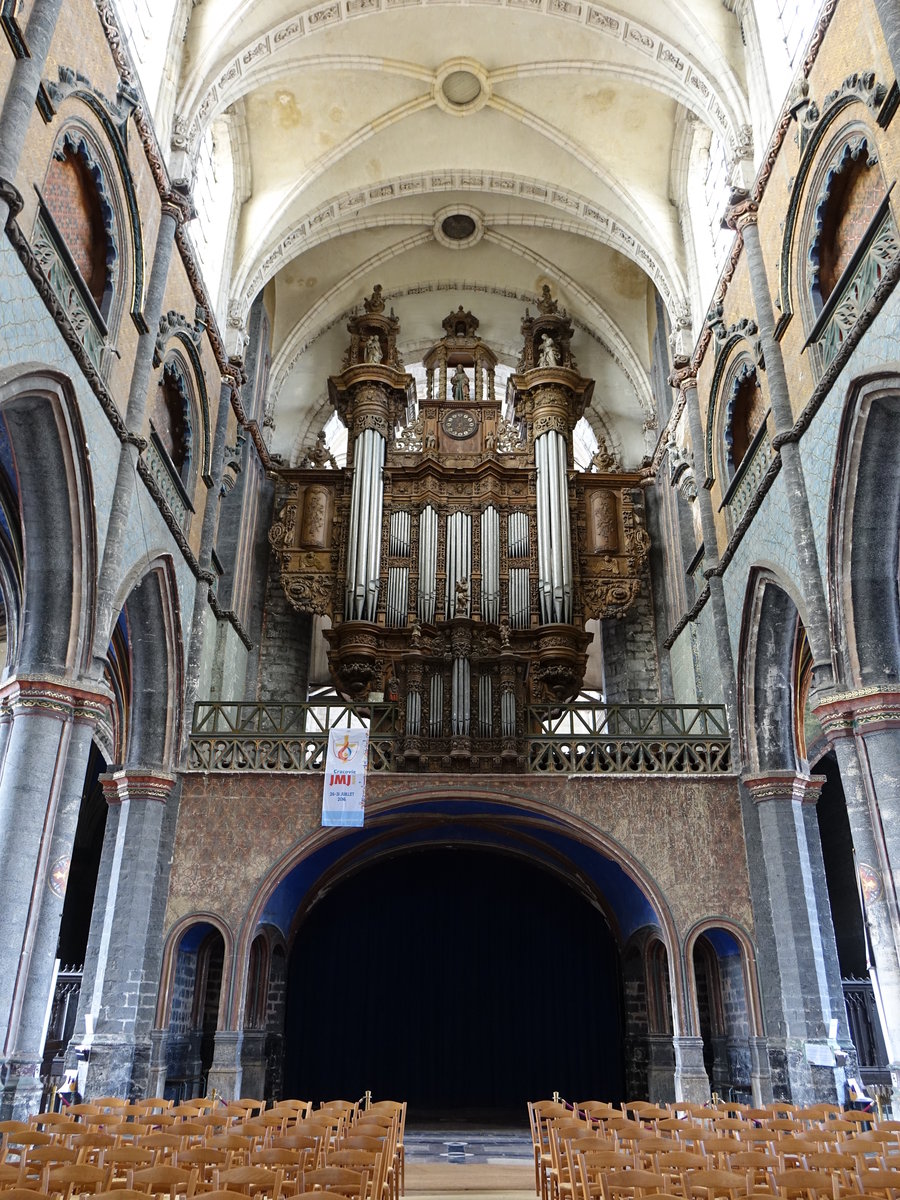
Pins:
x: 71, y: 196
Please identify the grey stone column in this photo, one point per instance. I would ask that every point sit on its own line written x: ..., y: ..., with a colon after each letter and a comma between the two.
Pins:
x: 43, y: 709
x: 27, y: 1031
x: 226, y: 1072
x: 870, y: 827
x: 140, y: 796
x: 6, y: 718
x: 174, y: 209
x: 760, y: 1071
x: 685, y: 378
x: 889, y: 19
x: 660, y: 1068
x: 742, y: 216
x: 19, y: 101
x: 808, y: 980
x: 206, y: 577
x: 691, y: 1080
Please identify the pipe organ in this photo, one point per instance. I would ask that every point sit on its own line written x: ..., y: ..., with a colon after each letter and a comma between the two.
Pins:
x: 459, y: 553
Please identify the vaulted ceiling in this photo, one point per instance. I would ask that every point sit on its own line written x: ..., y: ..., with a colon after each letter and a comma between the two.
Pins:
x: 463, y: 153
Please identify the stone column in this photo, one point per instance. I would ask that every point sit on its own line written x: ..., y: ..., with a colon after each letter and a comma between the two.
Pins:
x: 760, y: 1071
x: 685, y: 379
x: 660, y: 1068
x: 872, y: 810
x: 139, y: 795
x: 27, y: 1030
x: 19, y: 101
x: 206, y: 576
x: 226, y: 1072
x: 691, y: 1080
x: 808, y: 977
x: 742, y: 216
x: 43, y: 710
x: 889, y: 19
x: 175, y: 209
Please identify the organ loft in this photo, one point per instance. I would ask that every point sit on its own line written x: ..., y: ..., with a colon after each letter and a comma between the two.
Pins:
x: 460, y: 561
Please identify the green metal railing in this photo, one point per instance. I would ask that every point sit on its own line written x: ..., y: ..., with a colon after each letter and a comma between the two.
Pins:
x: 577, y: 738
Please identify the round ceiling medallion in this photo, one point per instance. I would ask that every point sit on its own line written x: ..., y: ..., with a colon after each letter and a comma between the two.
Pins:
x: 458, y: 226
x: 461, y: 87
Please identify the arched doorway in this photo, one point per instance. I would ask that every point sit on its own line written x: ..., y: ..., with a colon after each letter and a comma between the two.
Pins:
x: 454, y: 977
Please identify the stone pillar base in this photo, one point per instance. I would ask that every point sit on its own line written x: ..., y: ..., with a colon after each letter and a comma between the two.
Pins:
x: 109, y: 1068
x: 226, y: 1074
x: 660, y: 1070
x: 691, y: 1080
x: 21, y: 1089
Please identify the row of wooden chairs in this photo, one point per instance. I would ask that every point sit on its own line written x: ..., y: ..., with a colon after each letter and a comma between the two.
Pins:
x: 199, y: 1148
x: 596, y: 1151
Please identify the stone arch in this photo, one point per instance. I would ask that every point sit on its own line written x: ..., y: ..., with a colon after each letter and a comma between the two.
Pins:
x: 198, y: 921
x: 824, y: 139
x: 89, y: 112
x: 735, y: 374
x: 55, y: 511
x: 769, y: 642
x: 736, y: 1002
x: 381, y: 816
x: 863, y: 533
x: 154, y: 644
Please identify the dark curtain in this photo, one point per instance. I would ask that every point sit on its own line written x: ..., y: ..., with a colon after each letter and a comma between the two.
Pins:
x: 454, y: 979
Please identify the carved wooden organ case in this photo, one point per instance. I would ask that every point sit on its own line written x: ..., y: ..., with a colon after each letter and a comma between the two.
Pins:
x: 459, y: 554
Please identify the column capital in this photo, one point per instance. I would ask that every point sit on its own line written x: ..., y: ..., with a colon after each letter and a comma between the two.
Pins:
x: 53, y: 696
x: 864, y: 710
x: 137, y: 783
x: 784, y: 785
x: 742, y: 211
x: 684, y: 374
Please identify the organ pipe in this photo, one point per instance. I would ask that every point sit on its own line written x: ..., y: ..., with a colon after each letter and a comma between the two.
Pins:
x: 554, y: 537
x: 436, y: 707
x: 459, y: 561
x: 413, y: 713
x: 490, y: 565
x: 364, y: 541
x: 427, y: 564
x: 397, y: 596
x: 460, y: 705
x: 485, y: 706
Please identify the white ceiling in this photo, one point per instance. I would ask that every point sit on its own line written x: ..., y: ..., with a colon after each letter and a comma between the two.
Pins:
x: 350, y: 152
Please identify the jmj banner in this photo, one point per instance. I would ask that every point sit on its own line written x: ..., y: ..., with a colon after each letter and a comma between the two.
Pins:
x: 344, y: 795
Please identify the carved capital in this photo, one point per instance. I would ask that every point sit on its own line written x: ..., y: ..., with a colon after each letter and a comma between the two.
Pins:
x: 784, y: 785
x: 741, y: 212
x: 684, y: 375
x: 866, y: 710
x: 137, y: 783
x: 48, y: 696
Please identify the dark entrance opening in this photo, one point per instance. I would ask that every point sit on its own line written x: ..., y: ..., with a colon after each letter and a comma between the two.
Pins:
x: 454, y: 978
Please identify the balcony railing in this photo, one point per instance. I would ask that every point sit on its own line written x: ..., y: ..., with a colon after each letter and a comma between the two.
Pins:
x: 577, y: 738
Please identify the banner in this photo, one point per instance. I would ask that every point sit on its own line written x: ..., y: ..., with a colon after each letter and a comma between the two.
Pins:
x: 344, y: 794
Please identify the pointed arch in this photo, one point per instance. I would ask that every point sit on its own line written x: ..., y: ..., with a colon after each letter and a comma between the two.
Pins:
x: 49, y: 458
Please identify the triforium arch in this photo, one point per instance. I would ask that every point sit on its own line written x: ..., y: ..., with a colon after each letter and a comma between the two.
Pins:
x: 47, y: 452
x: 863, y: 537
x: 769, y: 639
x: 734, y: 1003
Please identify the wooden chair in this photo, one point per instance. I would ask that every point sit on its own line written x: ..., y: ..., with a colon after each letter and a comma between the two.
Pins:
x: 37, y: 1161
x: 123, y: 1161
x: 812, y: 1184
x: 76, y: 1178
x: 631, y: 1183
x: 206, y: 1161
x: 540, y: 1112
x: 354, y: 1184
x: 165, y: 1180
x: 252, y: 1181
x: 879, y: 1183
x: 713, y: 1183
x: 291, y: 1164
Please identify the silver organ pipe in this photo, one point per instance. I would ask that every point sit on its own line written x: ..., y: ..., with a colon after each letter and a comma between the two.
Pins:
x: 490, y: 565
x: 485, y: 706
x: 554, y: 539
x: 508, y: 714
x: 519, y: 597
x: 460, y: 706
x: 364, y: 538
x: 517, y: 535
x: 436, y: 707
x: 459, y: 562
x: 428, y: 523
x: 398, y: 542
x: 397, y: 596
x: 413, y: 713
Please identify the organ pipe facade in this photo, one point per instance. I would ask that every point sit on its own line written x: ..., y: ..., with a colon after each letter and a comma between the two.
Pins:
x: 459, y: 552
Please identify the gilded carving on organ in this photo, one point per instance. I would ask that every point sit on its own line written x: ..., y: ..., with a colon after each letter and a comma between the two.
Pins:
x: 605, y: 522
x: 315, y: 506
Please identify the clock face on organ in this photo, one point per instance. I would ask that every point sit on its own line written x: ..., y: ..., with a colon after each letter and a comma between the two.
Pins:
x: 459, y: 424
